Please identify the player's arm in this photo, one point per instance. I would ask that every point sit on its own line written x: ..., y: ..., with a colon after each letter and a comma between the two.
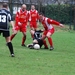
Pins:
x: 12, y: 23
x: 11, y: 20
x: 29, y: 16
x: 50, y: 21
x: 37, y: 18
x: 17, y: 17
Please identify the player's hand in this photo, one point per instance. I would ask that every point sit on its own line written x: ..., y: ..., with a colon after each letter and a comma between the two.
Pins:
x: 61, y: 25
x: 42, y: 30
x: 19, y: 23
x: 13, y: 29
x: 32, y: 29
x: 29, y: 20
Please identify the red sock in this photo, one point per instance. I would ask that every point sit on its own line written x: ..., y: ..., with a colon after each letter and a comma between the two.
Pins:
x: 50, y: 41
x: 12, y: 36
x: 23, y: 40
x: 45, y: 44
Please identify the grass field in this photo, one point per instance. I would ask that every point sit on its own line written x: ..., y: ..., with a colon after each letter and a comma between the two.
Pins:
x: 60, y: 61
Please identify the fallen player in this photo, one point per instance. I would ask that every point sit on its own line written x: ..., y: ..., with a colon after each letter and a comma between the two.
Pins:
x: 37, y: 40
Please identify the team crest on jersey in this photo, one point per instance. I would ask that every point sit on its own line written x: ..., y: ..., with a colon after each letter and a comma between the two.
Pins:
x: 33, y: 15
x: 22, y: 16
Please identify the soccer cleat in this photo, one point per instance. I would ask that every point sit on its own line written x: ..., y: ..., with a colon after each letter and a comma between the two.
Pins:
x: 51, y: 48
x: 23, y: 45
x: 12, y: 55
x: 30, y: 46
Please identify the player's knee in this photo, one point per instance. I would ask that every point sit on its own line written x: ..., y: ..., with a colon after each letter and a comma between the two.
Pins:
x: 24, y: 33
x: 48, y: 35
x: 35, y: 41
x: 32, y: 31
x: 43, y: 37
x: 15, y: 32
x: 7, y: 39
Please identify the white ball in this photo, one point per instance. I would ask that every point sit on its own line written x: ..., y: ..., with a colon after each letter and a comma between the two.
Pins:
x: 36, y: 46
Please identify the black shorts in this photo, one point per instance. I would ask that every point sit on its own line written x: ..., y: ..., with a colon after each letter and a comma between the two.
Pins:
x: 5, y: 33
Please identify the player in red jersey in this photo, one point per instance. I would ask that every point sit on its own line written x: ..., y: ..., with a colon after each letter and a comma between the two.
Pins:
x: 33, y: 19
x: 21, y: 23
x: 49, y: 29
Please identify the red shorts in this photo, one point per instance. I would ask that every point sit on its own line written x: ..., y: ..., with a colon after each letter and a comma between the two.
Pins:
x: 22, y: 28
x: 33, y: 25
x: 50, y: 31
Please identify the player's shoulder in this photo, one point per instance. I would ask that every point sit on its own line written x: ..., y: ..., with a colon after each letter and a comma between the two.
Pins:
x: 46, y: 18
x: 5, y: 11
x: 27, y: 11
x: 36, y: 10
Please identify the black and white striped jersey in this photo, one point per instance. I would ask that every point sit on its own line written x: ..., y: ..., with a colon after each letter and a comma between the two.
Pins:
x: 37, y: 34
x: 5, y: 18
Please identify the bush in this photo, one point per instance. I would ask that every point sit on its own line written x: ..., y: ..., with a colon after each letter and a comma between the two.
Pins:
x: 61, y: 13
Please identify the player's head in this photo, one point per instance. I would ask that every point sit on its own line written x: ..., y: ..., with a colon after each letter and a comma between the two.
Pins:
x: 5, y: 5
x: 23, y: 7
x: 41, y: 15
x: 32, y: 7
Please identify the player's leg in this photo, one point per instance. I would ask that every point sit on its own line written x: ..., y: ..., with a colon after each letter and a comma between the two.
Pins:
x: 30, y: 46
x: 50, y: 41
x: 45, y: 44
x: 44, y: 41
x: 50, y: 32
x: 9, y: 44
x: 23, y: 39
x: 35, y: 41
x: 32, y: 31
x: 23, y: 30
x: 14, y: 33
x: 33, y: 27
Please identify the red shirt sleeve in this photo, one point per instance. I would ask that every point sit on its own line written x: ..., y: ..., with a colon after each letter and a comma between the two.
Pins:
x: 50, y: 21
x: 27, y: 16
x: 17, y: 17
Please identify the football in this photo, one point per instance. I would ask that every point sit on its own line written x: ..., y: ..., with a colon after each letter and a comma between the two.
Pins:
x: 37, y: 46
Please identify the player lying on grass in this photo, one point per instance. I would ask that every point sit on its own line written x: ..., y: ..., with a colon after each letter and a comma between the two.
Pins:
x: 37, y: 40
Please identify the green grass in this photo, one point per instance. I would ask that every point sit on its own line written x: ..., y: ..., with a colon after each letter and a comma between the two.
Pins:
x: 60, y: 61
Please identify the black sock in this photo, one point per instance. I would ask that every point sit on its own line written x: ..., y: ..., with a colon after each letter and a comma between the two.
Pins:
x: 10, y: 46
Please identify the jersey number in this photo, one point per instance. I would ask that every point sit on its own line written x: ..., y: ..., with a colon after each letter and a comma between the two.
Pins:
x: 2, y: 18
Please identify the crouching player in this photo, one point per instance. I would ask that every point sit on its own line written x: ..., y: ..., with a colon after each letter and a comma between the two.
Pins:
x: 37, y: 40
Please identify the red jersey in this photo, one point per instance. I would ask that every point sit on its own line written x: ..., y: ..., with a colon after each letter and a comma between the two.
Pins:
x: 47, y: 23
x: 33, y: 15
x: 22, y: 16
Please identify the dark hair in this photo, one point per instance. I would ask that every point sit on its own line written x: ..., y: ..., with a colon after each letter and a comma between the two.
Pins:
x: 41, y: 13
x: 5, y: 5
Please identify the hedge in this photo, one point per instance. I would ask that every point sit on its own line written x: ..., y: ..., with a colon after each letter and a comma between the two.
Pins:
x: 61, y: 13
